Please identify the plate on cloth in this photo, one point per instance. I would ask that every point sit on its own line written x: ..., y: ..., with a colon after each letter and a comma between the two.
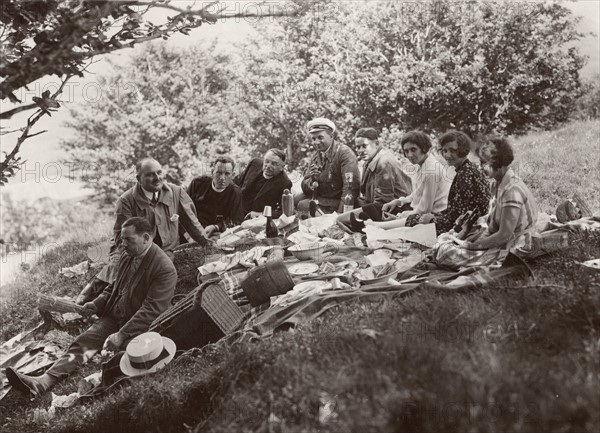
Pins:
x: 302, y: 268
x: 382, y: 279
x: 309, y: 286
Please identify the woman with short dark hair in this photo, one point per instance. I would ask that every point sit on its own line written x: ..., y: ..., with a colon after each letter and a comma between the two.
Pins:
x: 510, y: 222
x: 431, y: 184
x: 469, y: 191
x: 513, y: 212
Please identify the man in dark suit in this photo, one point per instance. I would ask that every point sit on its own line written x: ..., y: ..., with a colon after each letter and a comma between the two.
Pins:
x: 217, y: 195
x: 263, y: 183
x: 143, y: 289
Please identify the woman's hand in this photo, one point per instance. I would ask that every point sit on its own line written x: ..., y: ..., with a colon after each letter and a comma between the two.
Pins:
x: 474, y: 245
x: 426, y: 218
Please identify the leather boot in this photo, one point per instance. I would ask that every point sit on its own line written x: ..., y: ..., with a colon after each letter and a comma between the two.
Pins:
x: 28, y: 384
x: 356, y: 224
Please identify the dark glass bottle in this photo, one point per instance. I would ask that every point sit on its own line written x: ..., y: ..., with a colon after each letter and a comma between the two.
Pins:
x: 270, y: 227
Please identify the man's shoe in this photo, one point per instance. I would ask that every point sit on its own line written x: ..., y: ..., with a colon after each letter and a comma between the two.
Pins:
x: 27, y: 384
x: 356, y: 224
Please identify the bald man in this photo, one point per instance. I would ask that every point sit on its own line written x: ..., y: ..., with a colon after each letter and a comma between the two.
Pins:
x: 163, y: 205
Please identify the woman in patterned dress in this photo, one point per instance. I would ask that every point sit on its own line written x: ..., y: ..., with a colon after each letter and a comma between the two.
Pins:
x: 469, y: 191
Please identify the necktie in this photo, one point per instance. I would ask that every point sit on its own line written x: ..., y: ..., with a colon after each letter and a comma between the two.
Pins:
x: 155, y: 198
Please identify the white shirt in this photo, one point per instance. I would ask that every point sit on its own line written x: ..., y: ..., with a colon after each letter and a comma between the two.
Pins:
x: 431, y: 186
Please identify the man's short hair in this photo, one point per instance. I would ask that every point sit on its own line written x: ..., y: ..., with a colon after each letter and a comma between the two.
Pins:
x: 140, y: 164
x: 224, y: 159
x: 419, y: 138
x: 278, y: 153
x: 462, y: 139
x: 501, y: 152
x: 370, y: 133
x: 141, y: 225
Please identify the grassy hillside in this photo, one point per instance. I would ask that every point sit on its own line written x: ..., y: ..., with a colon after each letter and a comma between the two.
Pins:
x: 555, y: 164
x: 505, y: 358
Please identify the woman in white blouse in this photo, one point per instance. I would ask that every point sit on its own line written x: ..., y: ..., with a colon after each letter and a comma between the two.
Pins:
x: 431, y: 184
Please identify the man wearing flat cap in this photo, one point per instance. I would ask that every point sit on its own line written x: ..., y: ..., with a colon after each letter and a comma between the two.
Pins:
x: 332, y: 172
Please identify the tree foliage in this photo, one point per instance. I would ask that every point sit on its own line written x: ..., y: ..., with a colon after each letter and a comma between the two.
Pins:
x: 477, y: 66
x: 166, y: 105
x: 60, y: 37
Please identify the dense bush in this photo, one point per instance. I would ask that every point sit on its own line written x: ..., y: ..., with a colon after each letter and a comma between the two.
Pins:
x: 588, y: 105
x: 478, y: 66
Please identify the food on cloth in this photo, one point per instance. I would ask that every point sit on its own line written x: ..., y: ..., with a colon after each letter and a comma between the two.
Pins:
x: 231, y: 240
x: 308, y: 251
x: 334, y: 232
x: 374, y: 272
x: 302, y: 268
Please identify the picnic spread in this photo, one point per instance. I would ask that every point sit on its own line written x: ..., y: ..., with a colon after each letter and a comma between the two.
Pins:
x: 260, y: 285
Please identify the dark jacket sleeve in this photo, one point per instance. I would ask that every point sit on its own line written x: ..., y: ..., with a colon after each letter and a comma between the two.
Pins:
x: 158, y: 299
x: 241, y: 178
x: 188, y: 218
x: 237, y: 208
x: 122, y: 213
x: 385, y: 183
x: 102, y: 299
x: 307, y: 181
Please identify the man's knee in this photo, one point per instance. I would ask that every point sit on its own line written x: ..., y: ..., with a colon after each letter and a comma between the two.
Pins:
x: 298, y: 198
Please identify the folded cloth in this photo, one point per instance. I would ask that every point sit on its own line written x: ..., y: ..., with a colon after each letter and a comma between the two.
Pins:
x: 423, y: 234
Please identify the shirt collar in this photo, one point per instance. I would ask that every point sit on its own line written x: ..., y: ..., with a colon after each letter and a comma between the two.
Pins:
x: 508, y: 178
x: 141, y: 256
x: 371, y: 163
x: 330, y: 151
x: 215, y: 189
x: 149, y: 195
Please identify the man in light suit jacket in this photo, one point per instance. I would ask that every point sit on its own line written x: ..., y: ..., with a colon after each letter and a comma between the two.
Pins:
x: 143, y: 289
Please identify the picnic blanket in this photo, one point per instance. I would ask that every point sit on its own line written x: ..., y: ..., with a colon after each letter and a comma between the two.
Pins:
x: 30, y: 356
x: 264, y: 322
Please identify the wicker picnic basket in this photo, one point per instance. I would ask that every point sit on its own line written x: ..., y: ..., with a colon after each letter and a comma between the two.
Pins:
x: 270, y: 279
x: 204, y: 316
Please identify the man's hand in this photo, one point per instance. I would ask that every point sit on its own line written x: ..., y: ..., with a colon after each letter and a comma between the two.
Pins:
x: 314, y: 185
x: 114, y: 255
x: 88, y: 309
x: 389, y: 206
x: 113, y: 342
x: 210, y: 230
x: 252, y: 214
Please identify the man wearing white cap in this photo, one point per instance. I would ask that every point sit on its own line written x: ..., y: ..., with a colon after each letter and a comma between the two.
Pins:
x: 332, y: 172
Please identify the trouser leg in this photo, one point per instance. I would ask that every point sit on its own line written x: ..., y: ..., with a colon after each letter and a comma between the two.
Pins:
x: 84, y: 347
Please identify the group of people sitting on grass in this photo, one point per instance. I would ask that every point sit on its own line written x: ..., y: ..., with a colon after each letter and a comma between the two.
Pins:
x: 154, y: 217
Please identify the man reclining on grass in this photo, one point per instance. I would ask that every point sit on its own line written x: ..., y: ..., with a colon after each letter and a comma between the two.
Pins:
x: 143, y: 289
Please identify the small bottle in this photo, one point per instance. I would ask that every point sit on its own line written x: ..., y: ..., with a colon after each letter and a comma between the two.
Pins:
x: 220, y: 223
x: 348, y: 199
x: 287, y: 203
x: 270, y: 227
